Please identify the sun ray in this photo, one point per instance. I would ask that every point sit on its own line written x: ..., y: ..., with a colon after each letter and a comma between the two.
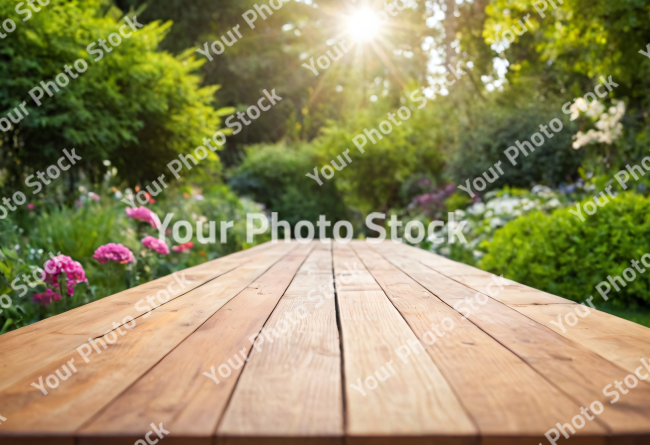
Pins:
x: 363, y: 25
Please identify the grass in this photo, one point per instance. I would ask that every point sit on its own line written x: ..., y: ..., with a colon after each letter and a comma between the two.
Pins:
x: 640, y: 316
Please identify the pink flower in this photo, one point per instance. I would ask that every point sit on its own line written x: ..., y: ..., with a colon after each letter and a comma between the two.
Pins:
x: 64, y: 264
x: 183, y: 247
x: 156, y: 244
x: 30, y: 206
x: 144, y: 214
x: 46, y: 297
x: 114, y: 252
x: 94, y: 196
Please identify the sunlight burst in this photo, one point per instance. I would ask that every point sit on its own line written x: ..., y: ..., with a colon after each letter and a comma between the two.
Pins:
x: 363, y: 25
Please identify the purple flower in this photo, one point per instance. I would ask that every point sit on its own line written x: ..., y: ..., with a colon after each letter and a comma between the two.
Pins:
x: 450, y: 189
x: 114, y: 252
x: 156, y: 244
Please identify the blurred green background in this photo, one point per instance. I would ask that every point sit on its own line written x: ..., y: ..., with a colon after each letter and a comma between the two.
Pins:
x: 154, y: 97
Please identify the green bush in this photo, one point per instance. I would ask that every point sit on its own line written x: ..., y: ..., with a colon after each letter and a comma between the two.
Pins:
x: 564, y: 256
x: 137, y: 106
x: 274, y: 175
x: 487, y: 138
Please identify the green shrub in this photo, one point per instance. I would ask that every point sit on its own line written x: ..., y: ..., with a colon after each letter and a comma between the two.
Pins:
x: 560, y: 254
x: 137, y: 106
x: 484, y: 143
x: 274, y: 175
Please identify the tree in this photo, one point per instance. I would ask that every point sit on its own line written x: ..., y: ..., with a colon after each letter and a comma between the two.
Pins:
x: 272, y: 54
x: 137, y: 107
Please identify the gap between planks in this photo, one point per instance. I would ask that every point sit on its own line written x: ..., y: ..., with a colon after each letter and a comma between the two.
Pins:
x: 577, y: 371
x: 487, y: 377
x: 108, y: 374
x: 290, y: 390
x: 50, y: 339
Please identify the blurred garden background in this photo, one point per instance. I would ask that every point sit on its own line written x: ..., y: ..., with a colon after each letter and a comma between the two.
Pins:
x: 155, y: 97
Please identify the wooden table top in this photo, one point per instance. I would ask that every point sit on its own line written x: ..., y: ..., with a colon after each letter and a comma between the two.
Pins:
x: 258, y: 348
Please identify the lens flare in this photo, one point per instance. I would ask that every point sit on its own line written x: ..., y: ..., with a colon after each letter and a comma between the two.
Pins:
x: 363, y: 25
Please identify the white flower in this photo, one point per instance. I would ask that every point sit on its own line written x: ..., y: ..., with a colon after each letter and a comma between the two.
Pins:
x: 527, y: 204
x: 505, y: 205
x: 595, y: 109
x: 476, y: 208
x: 553, y: 203
x: 609, y: 128
x: 543, y: 191
x: 496, y: 222
x: 579, y: 105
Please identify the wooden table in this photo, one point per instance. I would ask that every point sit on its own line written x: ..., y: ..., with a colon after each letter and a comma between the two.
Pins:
x: 384, y: 360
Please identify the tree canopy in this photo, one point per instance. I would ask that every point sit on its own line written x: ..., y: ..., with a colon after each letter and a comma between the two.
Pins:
x: 136, y: 107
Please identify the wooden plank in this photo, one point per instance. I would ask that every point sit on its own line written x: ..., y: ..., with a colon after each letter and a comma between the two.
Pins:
x: 107, y: 374
x: 191, y: 407
x: 514, y: 293
x: 290, y: 390
x: 622, y: 342
x: 577, y: 371
x: 52, y: 338
x: 414, y: 404
x: 493, y: 384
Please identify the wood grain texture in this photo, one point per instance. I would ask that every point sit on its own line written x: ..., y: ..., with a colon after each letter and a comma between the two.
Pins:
x: 291, y: 387
x: 513, y: 293
x: 577, y: 371
x: 504, y: 376
x: 621, y: 341
x: 109, y: 373
x: 493, y: 384
x: 53, y: 338
x: 414, y: 403
x: 191, y: 405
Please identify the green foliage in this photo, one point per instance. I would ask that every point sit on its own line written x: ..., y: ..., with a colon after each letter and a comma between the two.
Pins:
x: 372, y: 181
x: 458, y: 201
x: 13, y: 313
x: 272, y: 54
x: 566, y: 53
x: 140, y: 106
x: 588, y: 38
x: 137, y: 106
x: 490, y: 133
x: 275, y: 176
x: 564, y: 256
x: 28, y: 238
